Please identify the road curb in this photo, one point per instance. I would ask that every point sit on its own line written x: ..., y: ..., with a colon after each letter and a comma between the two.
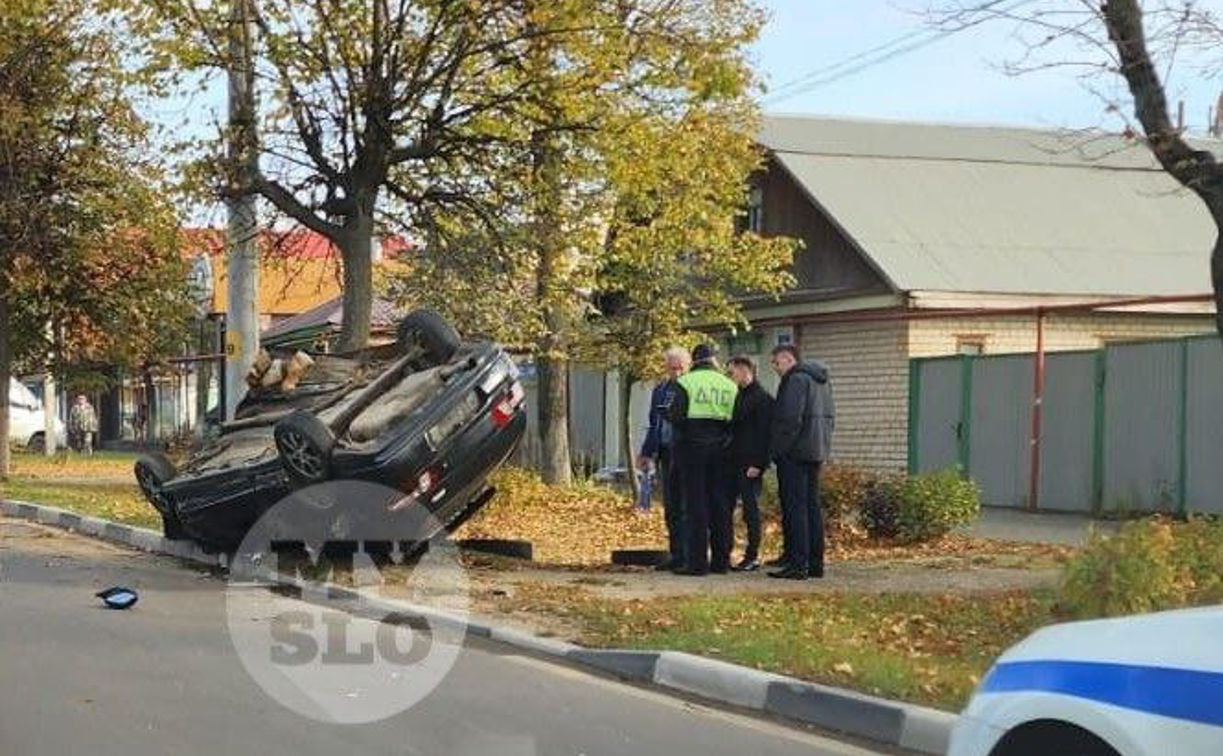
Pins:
x: 891, y: 723
x: 141, y: 539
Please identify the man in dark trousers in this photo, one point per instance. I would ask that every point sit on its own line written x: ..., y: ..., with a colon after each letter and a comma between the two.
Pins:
x: 701, y: 415
x: 656, y: 454
x: 749, y: 453
x: 800, y: 442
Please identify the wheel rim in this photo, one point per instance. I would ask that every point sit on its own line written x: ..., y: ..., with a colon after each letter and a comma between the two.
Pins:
x: 301, y: 455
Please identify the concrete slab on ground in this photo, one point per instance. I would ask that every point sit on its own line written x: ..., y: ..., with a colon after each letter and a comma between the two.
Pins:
x: 1061, y: 528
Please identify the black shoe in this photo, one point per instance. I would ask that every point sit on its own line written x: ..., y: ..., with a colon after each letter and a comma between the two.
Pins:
x: 690, y: 572
x: 816, y: 571
x: 778, y: 562
x: 747, y: 565
x: 721, y: 569
x: 668, y: 566
x: 789, y: 574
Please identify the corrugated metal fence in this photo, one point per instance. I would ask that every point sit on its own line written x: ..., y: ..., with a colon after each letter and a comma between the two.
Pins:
x: 587, y: 397
x: 1132, y: 427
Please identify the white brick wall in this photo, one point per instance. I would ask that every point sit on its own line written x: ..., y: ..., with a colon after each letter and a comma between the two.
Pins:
x: 1017, y: 333
x: 870, y: 375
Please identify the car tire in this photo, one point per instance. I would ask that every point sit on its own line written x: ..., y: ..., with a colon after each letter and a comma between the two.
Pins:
x: 1052, y: 737
x: 639, y: 557
x: 428, y: 331
x: 499, y: 547
x: 304, y: 444
x: 152, y: 471
x: 37, y: 443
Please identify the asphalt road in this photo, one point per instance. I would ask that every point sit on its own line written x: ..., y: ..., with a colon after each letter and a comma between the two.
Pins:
x: 163, y: 678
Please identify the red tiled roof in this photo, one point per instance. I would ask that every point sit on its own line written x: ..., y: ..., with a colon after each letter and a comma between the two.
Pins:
x: 299, y: 270
x: 299, y: 244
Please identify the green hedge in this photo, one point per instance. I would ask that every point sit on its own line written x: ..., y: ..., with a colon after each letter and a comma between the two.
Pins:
x: 1149, y: 565
x: 889, y: 507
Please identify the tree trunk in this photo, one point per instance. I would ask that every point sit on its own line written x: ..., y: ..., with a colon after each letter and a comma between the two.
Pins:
x: 554, y: 295
x: 356, y: 250
x: 1216, y: 267
x: 1197, y: 170
x: 6, y: 369
x: 150, y: 408
x: 627, y: 379
x: 555, y: 464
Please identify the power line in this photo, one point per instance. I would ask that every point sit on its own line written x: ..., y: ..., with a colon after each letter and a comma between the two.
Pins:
x: 824, y: 70
x: 879, y: 54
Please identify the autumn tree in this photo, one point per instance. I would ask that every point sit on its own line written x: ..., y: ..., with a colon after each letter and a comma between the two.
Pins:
x: 676, y: 265
x: 376, y: 113
x: 1131, y: 40
x: 89, y: 265
x: 619, y: 183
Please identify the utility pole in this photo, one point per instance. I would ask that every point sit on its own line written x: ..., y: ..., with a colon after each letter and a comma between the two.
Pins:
x: 242, y: 315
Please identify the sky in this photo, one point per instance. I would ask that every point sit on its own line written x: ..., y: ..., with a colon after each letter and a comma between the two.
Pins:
x: 958, y: 79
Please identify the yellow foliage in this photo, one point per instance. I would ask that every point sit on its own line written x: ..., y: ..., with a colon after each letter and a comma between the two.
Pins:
x: 570, y: 525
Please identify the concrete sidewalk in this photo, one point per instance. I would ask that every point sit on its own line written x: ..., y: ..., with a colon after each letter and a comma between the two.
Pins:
x: 1062, y: 528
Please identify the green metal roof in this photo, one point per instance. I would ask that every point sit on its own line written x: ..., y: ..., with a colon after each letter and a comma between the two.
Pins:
x: 1000, y: 210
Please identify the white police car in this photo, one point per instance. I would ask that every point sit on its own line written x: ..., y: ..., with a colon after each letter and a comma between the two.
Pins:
x: 1149, y: 685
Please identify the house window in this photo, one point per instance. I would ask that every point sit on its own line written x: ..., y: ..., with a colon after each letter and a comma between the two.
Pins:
x: 971, y: 345
x: 754, y: 217
x: 749, y: 343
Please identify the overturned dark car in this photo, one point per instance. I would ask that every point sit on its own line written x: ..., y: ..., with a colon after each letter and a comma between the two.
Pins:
x: 429, y: 416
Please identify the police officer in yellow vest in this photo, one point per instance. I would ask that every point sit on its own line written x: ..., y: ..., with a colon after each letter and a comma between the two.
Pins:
x: 701, y: 414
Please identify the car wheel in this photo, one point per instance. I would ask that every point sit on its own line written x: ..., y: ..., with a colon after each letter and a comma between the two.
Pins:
x: 304, y: 443
x: 1052, y: 737
x: 428, y: 331
x: 37, y: 442
x: 152, y: 473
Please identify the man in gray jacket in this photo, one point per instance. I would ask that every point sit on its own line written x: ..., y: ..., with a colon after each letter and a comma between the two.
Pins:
x: 800, y: 441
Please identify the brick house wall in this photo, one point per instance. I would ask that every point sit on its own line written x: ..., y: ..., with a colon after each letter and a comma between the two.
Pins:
x: 1017, y: 333
x: 870, y: 373
x: 870, y: 364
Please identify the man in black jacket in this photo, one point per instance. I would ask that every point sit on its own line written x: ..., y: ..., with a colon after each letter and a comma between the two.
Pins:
x: 800, y: 442
x: 749, y: 453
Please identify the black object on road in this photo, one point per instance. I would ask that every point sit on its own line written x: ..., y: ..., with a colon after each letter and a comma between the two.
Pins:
x: 118, y: 597
x: 504, y: 547
x: 428, y: 415
x: 640, y: 557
